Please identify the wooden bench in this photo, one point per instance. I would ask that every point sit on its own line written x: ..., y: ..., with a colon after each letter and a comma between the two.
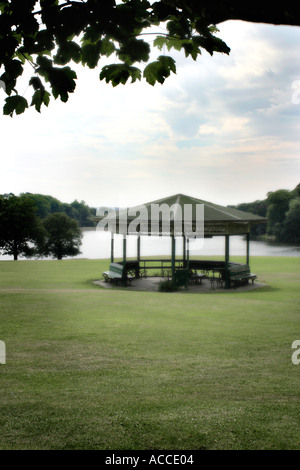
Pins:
x: 240, y: 274
x: 238, y: 279
x: 117, y: 274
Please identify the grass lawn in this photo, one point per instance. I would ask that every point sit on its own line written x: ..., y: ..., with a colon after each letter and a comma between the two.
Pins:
x: 90, y: 368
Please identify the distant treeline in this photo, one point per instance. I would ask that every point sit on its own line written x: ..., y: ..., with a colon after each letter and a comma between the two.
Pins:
x: 79, y: 211
x: 282, y: 209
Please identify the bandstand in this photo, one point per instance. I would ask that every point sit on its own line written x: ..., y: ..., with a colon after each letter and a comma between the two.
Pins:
x: 205, y: 220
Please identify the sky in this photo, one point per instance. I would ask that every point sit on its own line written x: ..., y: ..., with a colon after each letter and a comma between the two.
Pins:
x: 224, y: 129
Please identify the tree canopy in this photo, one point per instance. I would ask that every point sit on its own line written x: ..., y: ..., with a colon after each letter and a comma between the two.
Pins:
x: 62, y: 236
x: 19, y: 226
x: 282, y: 209
x: 79, y: 211
x: 33, y: 225
x: 50, y: 35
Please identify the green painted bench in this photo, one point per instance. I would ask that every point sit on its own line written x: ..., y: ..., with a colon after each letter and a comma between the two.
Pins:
x: 117, y: 274
x: 240, y: 274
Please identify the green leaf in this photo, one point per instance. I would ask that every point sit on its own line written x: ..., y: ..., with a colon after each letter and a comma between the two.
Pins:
x: 159, y: 70
x: 36, y: 83
x: 119, y: 73
x: 134, y: 50
x: 91, y: 54
x: 44, y: 62
x: 62, y: 82
x: 66, y: 52
x: 180, y: 27
x: 191, y: 49
x: 23, y: 56
x: 187, y: 44
x: 211, y: 44
x: 44, y: 40
x: 91, y: 51
x: 14, y: 68
x: 151, y: 73
x: 45, y: 65
x: 16, y: 104
x: 8, y: 46
x: 107, y: 47
x: 162, y: 41
x: 40, y: 97
x: 213, y: 29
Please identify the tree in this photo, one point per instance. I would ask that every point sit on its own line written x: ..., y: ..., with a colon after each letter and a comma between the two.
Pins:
x: 62, y: 236
x: 257, y: 207
x: 46, y: 205
x: 296, y: 191
x: 278, y: 205
x: 291, y: 226
x: 19, y: 226
x: 83, y: 214
x: 49, y: 34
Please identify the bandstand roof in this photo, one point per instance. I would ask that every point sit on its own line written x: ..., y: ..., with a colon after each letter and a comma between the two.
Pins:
x: 218, y: 220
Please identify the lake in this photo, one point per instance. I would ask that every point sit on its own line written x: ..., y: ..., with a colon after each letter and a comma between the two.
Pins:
x: 96, y: 245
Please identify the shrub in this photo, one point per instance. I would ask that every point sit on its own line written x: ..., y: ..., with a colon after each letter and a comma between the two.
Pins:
x: 167, y: 286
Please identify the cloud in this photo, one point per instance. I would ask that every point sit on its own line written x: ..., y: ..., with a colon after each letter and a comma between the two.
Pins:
x: 223, y: 129
x: 247, y: 97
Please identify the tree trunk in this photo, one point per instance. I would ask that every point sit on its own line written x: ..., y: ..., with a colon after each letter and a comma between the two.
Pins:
x: 15, y: 251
